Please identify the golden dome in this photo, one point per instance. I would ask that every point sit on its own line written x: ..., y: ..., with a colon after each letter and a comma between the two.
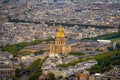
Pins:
x: 60, y: 33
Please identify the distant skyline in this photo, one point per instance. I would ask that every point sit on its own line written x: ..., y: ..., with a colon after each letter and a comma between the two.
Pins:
x: 49, y: 1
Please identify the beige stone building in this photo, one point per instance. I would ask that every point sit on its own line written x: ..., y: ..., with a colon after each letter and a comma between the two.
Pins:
x: 82, y: 76
x: 7, y: 72
x: 60, y: 46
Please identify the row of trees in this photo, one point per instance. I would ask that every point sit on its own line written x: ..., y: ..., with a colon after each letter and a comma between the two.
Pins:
x: 106, y: 61
x: 119, y: 28
x: 76, y: 53
x: 23, y: 21
x: 73, y: 63
x: 35, y: 70
x: 73, y: 24
x: 14, y: 49
x: 105, y: 36
x: 117, y: 47
x: 5, y: 1
x: 51, y: 76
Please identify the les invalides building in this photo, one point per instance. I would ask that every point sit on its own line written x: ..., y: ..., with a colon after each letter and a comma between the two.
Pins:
x: 60, y: 46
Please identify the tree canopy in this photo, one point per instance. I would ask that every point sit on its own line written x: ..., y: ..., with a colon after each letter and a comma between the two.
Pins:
x: 14, y: 48
x: 51, y: 76
x: 105, y: 36
x: 35, y: 69
x: 76, y: 53
x: 106, y: 61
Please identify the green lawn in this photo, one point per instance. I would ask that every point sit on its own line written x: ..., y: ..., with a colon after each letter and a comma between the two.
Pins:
x: 15, y: 48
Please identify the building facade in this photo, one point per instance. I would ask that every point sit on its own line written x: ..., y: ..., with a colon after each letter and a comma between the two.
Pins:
x: 60, y: 46
x: 7, y: 72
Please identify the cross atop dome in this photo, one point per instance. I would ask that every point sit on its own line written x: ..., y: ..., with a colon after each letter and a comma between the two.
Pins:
x: 60, y: 33
x: 60, y: 28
